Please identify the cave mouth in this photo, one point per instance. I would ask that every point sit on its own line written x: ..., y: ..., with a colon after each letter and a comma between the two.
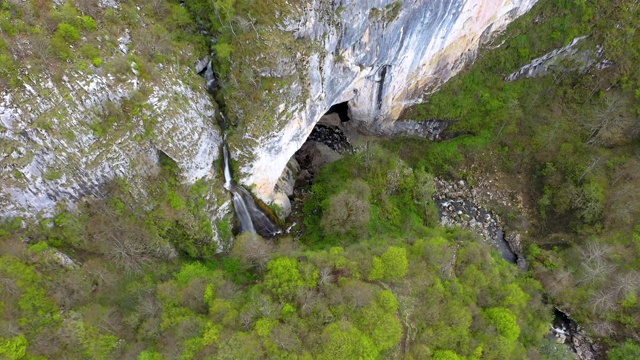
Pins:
x: 342, y: 109
x: 326, y: 143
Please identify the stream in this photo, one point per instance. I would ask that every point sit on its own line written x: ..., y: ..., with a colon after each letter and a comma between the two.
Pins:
x: 251, y: 218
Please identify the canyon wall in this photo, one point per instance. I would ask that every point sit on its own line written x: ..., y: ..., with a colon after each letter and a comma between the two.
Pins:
x: 379, y: 55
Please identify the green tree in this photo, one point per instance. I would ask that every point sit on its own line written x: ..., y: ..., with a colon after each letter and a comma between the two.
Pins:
x: 380, y: 324
x: 283, y: 277
x: 342, y: 340
x: 446, y: 355
x: 504, y: 321
x: 150, y: 355
x: 391, y: 266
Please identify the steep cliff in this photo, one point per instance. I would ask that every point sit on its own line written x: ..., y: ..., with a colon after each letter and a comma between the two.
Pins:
x: 54, y: 148
x: 380, y: 56
x: 67, y: 132
x: 92, y: 92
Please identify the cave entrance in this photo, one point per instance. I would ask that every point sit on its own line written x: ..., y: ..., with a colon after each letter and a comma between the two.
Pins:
x: 342, y: 109
x: 326, y: 143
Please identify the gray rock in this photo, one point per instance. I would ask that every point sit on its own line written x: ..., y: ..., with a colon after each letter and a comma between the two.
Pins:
x: 124, y: 42
x: 202, y: 64
x: 552, y: 61
x: 332, y: 120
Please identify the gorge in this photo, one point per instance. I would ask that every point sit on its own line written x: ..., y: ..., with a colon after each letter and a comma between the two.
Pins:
x: 369, y: 52
x: 320, y: 179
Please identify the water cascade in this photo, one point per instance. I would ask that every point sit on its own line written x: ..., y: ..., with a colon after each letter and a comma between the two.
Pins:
x: 250, y: 216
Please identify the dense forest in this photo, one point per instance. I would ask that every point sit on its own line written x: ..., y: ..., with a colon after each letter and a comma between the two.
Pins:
x: 374, y: 275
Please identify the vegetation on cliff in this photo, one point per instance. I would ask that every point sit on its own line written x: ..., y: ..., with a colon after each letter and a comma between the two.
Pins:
x: 570, y: 142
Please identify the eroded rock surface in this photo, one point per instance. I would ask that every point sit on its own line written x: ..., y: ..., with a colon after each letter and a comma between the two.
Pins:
x: 380, y: 56
x: 59, y: 144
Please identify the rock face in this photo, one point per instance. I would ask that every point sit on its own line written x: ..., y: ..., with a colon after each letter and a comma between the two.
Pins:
x: 563, y: 59
x: 59, y: 144
x: 380, y: 56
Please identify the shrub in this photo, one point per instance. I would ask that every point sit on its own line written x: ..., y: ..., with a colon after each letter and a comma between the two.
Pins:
x: 15, y: 348
x: 505, y: 322
x: 391, y: 266
x: 68, y: 33
x: 88, y: 23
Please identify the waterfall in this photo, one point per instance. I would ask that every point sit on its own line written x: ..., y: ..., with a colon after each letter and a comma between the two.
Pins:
x: 227, y: 170
x: 244, y: 218
x: 259, y: 221
x: 250, y: 216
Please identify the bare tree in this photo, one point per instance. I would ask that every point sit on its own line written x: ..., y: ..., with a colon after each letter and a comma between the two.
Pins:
x: 159, y: 7
x: 193, y: 296
x: 41, y: 49
x: 626, y: 283
x: 124, y: 241
x: 602, y: 301
x: 247, y: 319
x: 306, y: 299
x: 89, y: 7
x: 253, y: 251
x: 604, y: 329
x: 285, y: 337
x: 559, y: 282
x: 595, y: 263
x: 348, y: 210
x: 359, y: 294
x: 613, y: 125
x: 325, y: 277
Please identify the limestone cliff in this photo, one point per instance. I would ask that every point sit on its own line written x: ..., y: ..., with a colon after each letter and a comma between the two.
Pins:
x: 58, y: 143
x: 380, y: 56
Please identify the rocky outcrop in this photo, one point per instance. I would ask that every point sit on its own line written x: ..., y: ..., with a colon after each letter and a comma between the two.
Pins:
x: 566, y: 58
x: 380, y: 56
x: 458, y: 206
x: 433, y: 129
x: 63, y: 140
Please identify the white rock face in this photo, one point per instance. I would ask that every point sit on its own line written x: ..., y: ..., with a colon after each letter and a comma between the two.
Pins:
x: 379, y: 55
x: 53, y: 148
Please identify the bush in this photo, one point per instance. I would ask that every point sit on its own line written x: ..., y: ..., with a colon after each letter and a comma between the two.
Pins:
x: 68, y: 33
x: 505, y: 322
x: 626, y: 351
